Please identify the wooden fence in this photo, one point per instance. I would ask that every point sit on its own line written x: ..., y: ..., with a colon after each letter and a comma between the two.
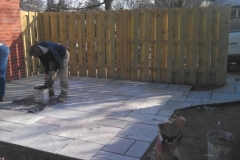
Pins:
x: 182, y: 46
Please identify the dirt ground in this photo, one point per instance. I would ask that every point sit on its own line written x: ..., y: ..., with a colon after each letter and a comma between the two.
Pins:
x: 201, y: 120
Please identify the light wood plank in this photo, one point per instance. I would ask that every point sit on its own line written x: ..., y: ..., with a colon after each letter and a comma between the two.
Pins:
x: 27, y: 60
x: 73, y: 61
x: 215, y: 45
x: 46, y: 26
x: 53, y: 26
x: 221, y: 74
x: 168, y: 46
x: 91, y: 54
x: 101, y: 40
x: 120, y: 43
x: 133, y: 46
x: 81, y: 40
x: 33, y: 40
x: 156, y: 45
x: 63, y: 28
x: 110, y: 45
x: 145, y: 35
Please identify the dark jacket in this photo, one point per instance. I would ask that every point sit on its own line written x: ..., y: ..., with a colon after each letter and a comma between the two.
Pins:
x: 55, y: 54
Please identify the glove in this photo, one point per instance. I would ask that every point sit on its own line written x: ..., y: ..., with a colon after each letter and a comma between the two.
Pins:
x: 52, y: 75
x: 49, y: 78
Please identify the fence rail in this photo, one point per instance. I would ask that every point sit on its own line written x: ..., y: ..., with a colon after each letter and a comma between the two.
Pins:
x: 182, y: 46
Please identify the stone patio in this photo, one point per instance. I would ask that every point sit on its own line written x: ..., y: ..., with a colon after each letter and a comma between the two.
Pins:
x: 103, y: 119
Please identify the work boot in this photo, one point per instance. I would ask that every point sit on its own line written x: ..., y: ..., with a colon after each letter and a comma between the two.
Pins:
x: 51, y: 92
x: 61, y: 98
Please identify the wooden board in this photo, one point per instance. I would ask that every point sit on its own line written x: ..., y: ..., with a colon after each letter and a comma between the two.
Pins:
x: 91, y: 54
x: 72, y: 38
x: 110, y: 44
x: 81, y: 40
x: 100, y: 44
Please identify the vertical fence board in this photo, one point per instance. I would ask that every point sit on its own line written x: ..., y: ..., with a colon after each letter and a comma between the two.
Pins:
x: 33, y: 40
x: 36, y: 40
x: 119, y: 43
x: 62, y: 28
x: 157, y: 46
x: 125, y: 60
x: 222, y: 49
x: 100, y: 44
x: 215, y: 39
x: 133, y: 45
x: 40, y: 34
x: 182, y: 43
x: 167, y: 44
x: 176, y: 37
x: 202, y: 43
x: 81, y: 41
x: 91, y: 44
x: 46, y: 26
x: 195, y: 38
x: 110, y: 44
x: 144, y: 36
x: 192, y: 45
x: 24, y: 28
x: 53, y: 16
x: 208, y: 46
x: 72, y: 38
x: 204, y: 46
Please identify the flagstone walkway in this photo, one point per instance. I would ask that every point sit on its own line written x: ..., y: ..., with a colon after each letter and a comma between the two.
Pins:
x: 103, y: 119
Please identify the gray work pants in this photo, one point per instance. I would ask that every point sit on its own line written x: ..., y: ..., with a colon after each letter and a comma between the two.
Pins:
x: 63, y: 74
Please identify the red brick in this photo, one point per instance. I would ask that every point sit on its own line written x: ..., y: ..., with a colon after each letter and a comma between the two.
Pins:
x: 11, y: 34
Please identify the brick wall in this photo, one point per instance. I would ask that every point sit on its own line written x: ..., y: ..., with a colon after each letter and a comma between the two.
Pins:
x: 10, y: 33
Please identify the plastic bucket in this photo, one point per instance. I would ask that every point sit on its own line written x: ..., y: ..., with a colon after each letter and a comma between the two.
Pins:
x: 41, y: 94
x: 219, y: 145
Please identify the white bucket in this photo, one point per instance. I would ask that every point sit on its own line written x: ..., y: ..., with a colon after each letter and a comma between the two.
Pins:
x: 41, y: 94
x: 219, y: 145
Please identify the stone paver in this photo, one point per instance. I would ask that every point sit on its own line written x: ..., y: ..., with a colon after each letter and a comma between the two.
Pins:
x: 87, y: 132
x: 30, y: 133
x: 169, y: 108
x: 50, y: 143
x: 138, y: 131
x: 103, y: 119
x: 113, y: 123
x: 113, y: 156
x: 81, y: 149
x: 119, y: 145
x: 5, y: 135
x: 11, y: 127
x: 145, y: 118
x: 19, y: 117
x: 64, y: 113
x: 138, y: 149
